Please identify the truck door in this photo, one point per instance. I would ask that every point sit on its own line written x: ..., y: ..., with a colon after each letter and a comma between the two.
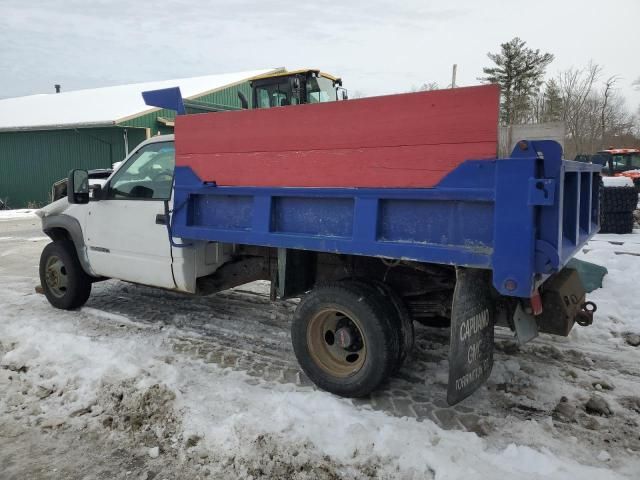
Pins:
x: 125, y: 234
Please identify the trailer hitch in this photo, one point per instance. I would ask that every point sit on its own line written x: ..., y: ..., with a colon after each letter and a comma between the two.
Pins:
x: 584, y: 317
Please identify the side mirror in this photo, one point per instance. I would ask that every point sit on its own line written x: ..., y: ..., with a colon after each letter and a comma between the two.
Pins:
x: 78, y: 186
x: 341, y: 93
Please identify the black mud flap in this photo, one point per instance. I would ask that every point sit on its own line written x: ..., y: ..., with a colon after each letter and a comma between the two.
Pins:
x: 471, y: 342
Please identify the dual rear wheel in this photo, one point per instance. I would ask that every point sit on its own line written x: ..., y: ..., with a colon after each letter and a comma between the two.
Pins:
x: 350, y: 336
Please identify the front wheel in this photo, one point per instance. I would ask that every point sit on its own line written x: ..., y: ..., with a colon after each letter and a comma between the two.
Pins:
x: 64, y: 282
x: 345, y: 338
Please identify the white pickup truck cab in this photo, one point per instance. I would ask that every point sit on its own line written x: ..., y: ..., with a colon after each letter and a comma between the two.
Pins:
x: 123, y: 235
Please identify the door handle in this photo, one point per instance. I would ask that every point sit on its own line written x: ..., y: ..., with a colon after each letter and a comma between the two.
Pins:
x: 161, y: 219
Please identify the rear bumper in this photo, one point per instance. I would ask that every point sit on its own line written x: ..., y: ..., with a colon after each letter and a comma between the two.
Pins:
x: 564, y: 304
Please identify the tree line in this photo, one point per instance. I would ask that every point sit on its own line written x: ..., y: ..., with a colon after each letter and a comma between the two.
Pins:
x: 594, y: 112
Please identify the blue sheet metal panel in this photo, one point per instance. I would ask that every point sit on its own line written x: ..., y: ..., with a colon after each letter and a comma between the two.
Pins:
x: 570, y: 213
x: 187, y: 183
x: 290, y: 218
x: 231, y: 212
x: 514, y: 228
x: 472, y: 174
x: 437, y: 222
x: 444, y: 254
x: 332, y: 217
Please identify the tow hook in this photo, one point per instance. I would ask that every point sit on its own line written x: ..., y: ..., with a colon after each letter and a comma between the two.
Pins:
x: 584, y: 317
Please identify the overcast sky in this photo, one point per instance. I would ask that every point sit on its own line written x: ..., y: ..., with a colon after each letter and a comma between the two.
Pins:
x: 377, y: 46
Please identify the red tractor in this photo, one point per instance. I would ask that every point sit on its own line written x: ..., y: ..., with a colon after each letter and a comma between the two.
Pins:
x: 620, y: 162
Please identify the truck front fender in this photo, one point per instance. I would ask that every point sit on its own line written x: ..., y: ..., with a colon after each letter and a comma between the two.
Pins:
x: 65, y: 226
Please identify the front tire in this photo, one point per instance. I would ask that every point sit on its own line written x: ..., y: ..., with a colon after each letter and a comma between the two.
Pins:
x: 64, y: 282
x: 345, y: 338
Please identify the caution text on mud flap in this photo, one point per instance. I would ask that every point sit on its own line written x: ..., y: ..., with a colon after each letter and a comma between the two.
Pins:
x: 474, y: 325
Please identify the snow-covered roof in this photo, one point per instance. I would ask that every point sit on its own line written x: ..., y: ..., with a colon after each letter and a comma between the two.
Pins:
x: 102, y: 106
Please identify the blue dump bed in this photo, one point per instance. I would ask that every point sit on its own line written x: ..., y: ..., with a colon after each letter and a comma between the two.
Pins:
x: 522, y: 217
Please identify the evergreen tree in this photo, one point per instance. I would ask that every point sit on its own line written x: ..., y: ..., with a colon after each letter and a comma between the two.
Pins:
x: 519, y: 71
x: 552, y: 102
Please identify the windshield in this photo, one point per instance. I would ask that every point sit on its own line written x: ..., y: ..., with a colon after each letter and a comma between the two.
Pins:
x: 147, y: 174
x: 275, y: 95
x: 625, y: 162
x: 320, y: 89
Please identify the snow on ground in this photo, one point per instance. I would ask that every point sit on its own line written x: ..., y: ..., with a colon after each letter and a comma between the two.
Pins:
x: 6, y: 215
x: 98, y: 394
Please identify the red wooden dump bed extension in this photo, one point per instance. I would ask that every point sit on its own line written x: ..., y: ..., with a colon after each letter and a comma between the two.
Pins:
x: 401, y: 141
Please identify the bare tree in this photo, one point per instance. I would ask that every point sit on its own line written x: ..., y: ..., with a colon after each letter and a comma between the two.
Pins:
x: 576, y: 86
x: 425, y: 87
x: 609, y: 85
x: 595, y: 113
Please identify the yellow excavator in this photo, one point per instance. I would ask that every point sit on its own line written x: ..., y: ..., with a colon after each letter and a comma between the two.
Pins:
x: 278, y: 88
x: 282, y: 88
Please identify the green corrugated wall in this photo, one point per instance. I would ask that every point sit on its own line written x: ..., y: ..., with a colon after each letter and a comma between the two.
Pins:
x: 30, y: 161
x: 228, y: 96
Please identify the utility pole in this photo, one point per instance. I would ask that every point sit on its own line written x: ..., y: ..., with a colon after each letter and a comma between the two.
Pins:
x: 453, y: 75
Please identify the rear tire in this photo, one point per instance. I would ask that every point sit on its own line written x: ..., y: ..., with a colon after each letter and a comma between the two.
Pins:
x: 64, y: 282
x: 400, y: 317
x: 345, y: 338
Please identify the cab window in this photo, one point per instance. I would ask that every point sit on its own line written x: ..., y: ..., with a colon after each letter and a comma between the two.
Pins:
x: 619, y: 163
x: 320, y: 89
x: 148, y: 174
x: 275, y: 95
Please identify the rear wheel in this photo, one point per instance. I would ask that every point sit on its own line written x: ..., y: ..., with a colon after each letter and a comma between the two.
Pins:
x: 404, y: 323
x: 345, y: 338
x: 64, y: 282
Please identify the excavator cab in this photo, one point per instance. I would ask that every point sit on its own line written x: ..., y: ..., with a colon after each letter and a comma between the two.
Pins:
x: 297, y: 87
x: 278, y: 88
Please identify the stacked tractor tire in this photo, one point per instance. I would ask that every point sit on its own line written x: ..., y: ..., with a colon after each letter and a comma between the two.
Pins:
x: 616, y: 209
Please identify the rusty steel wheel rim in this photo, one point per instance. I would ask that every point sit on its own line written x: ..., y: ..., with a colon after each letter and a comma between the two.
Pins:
x: 56, y: 276
x: 336, y: 343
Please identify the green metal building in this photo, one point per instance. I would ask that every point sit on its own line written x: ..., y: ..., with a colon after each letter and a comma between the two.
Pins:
x: 42, y: 137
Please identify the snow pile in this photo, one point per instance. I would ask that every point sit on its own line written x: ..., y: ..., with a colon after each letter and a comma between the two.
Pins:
x: 6, y: 215
x: 618, y: 301
x: 135, y: 383
x: 617, y: 182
